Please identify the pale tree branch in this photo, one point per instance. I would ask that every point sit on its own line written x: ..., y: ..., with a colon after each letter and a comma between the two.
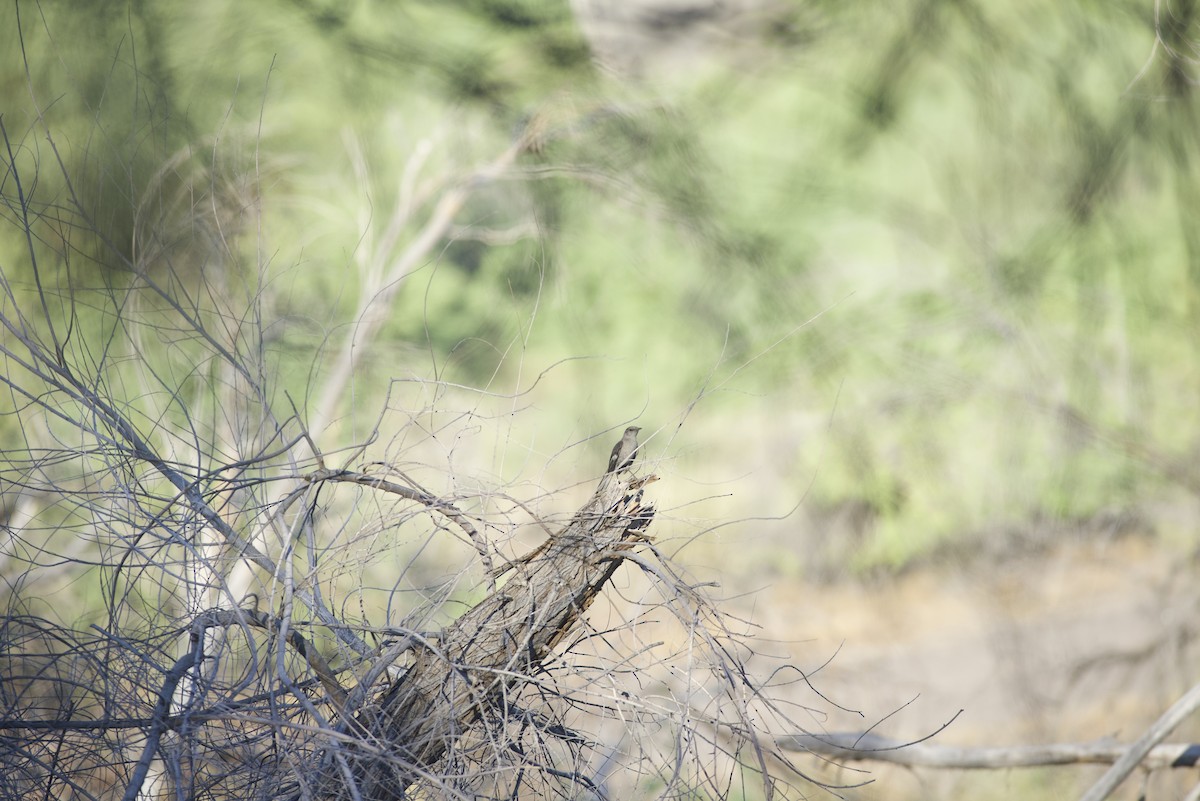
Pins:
x: 1138, y: 751
x: 376, y: 298
x: 867, y: 747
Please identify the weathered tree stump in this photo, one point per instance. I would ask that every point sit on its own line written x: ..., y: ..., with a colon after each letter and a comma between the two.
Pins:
x: 455, y: 682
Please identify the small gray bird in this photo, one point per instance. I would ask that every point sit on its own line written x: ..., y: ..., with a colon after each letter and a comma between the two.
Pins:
x: 624, y: 452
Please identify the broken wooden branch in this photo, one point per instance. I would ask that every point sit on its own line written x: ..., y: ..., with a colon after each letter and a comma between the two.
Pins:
x: 461, y: 680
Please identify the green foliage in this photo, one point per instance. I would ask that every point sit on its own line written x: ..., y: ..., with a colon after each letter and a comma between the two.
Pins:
x: 945, y: 223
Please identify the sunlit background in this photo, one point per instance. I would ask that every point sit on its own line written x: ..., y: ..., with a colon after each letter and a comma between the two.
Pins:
x: 905, y: 297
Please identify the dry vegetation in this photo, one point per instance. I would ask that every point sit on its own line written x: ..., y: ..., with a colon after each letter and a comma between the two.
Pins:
x: 316, y: 324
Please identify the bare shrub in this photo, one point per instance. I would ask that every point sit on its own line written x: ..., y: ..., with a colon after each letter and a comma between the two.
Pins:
x: 216, y: 590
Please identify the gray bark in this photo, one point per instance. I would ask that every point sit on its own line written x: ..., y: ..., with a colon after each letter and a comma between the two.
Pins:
x: 453, y: 683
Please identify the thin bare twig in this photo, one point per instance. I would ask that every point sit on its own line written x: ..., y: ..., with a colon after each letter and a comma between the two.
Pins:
x: 426, y: 499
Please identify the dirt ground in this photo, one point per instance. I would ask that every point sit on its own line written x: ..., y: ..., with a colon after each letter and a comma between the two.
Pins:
x: 1078, y: 643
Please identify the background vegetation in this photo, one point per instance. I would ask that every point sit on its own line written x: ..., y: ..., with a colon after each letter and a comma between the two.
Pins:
x: 899, y: 282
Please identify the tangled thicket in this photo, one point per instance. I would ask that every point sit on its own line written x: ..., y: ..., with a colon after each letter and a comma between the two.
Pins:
x: 234, y: 638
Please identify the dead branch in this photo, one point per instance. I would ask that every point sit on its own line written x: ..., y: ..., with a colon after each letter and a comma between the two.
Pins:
x: 159, y: 720
x: 509, y: 634
x: 1136, y: 754
x: 860, y: 747
x: 162, y: 720
x: 431, y: 501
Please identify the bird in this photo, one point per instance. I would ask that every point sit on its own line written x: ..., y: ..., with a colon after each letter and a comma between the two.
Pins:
x: 624, y: 452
